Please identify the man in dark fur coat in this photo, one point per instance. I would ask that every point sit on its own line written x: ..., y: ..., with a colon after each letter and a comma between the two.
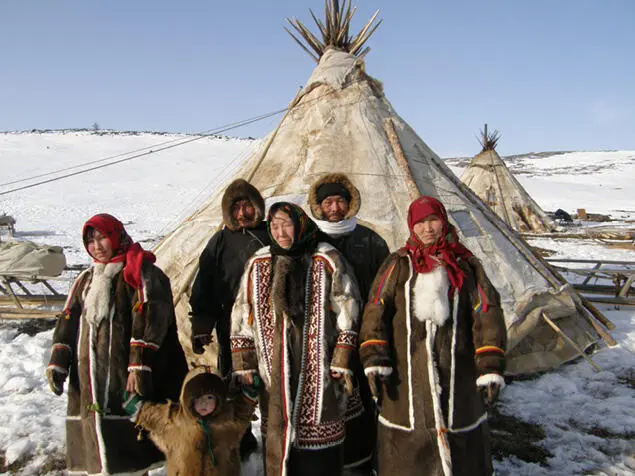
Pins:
x: 221, y: 266
x: 335, y: 202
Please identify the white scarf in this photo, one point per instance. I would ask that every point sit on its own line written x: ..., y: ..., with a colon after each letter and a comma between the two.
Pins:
x: 339, y: 228
x: 430, y: 296
x: 97, y: 301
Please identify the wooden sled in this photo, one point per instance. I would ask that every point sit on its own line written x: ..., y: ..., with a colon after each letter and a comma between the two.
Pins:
x: 613, y: 281
x: 32, y: 297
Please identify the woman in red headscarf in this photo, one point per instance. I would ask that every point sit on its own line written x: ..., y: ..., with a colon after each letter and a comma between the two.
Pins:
x: 117, y: 332
x: 433, y: 345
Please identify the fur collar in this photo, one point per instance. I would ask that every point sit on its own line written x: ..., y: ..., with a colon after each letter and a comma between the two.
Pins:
x: 354, y: 205
x: 430, y: 296
x: 97, y: 301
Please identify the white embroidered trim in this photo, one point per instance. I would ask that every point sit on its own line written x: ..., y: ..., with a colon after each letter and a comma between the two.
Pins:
x: 378, y: 370
x: 474, y: 425
x: 485, y: 380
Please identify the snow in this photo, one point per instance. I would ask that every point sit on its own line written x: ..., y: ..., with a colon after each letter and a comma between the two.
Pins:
x: 587, y: 417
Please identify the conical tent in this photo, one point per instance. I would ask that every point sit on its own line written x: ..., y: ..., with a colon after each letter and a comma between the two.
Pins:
x: 341, y: 121
x: 488, y: 176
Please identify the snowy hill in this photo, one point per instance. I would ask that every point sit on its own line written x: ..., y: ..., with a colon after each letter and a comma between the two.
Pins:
x: 575, y: 421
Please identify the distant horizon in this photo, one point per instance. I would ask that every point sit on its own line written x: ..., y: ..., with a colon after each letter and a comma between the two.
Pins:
x: 230, y: 136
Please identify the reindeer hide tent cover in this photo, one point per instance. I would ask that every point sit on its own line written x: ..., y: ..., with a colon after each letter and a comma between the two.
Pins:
x: 341, y: 121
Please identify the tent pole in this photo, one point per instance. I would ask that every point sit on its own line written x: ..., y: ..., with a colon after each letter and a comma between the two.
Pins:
x: 555, y: 327
x: 393, y: 138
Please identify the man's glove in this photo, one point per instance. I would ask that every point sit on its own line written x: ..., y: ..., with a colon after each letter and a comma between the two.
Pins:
x: 56, y: 379
x: 490, y: 386
x: 132, y: 404
x: 200, y: 341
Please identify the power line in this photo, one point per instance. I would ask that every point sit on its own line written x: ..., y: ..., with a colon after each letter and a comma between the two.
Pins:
x: 226, y: 128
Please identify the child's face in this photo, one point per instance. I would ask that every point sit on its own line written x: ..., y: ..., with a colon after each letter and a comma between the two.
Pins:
x: 205, y: 404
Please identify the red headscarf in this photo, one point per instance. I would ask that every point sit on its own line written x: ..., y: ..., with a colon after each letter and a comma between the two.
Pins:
x: 122, y: 246
x: 447, y: 249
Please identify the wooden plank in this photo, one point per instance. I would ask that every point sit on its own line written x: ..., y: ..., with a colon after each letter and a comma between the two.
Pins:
x: 13, y: 295
x: 603, y: 261
x: 616, y: 301
x: 569, y: 341
x: 25, y: 314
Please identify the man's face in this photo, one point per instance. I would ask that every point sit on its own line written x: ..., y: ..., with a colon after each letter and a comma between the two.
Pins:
x: 244, y: 212
x: 335, y: 208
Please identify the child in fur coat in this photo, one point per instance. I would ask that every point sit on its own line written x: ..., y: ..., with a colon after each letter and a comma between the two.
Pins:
x: 201, y: 434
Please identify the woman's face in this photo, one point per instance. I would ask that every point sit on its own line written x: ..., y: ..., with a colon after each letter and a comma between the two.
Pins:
x: 99, y: 247
x: 282, y: 229
x: 205, y: 404
x: 429, y: 230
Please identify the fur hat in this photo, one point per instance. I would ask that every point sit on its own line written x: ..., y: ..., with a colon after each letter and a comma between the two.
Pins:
x: 327, y: 184
x: 240, y: 189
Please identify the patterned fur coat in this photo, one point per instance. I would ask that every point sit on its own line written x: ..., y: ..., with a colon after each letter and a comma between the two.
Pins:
x: 99, y: 354
x: 432, y: 348
x: 304, y: 407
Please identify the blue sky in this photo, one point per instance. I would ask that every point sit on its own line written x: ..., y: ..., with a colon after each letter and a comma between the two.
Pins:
x: 549, y: 74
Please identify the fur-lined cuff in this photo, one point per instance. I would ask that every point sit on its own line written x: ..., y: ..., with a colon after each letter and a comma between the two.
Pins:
x: 485, y: 380
x: 490, y: 359
x: 141, y: 354
x: 379, y: 370
x: 375, y: 353
x: 345, y: 347
x: 61, y: 356
x: 341, y: 370
x: 244, y: 358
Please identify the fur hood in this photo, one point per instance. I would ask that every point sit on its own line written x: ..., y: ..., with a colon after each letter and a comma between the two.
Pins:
x: 237, y: 190
x: 199, y: 381
x: 354, y: 205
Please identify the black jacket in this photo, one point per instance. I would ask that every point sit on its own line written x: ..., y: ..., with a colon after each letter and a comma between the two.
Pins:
x: 221, y: 266
x: 365, y: 251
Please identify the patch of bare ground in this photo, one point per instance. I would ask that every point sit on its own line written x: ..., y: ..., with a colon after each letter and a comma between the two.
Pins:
x: 512, y: 436
x: 54, y: 464
x: 17, y: 465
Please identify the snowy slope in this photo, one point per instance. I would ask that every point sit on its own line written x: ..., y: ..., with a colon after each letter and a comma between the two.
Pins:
x: 587, y: 418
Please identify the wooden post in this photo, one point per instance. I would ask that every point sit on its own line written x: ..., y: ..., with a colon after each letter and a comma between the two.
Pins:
x: 393, y: 138
x: 569, y: 341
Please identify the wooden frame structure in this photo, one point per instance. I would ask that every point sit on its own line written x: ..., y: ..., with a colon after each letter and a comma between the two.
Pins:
x: 620, y: 273
x: 17, y: 301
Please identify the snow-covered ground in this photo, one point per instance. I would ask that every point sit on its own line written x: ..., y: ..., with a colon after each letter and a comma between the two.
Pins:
x: 588, y: 418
